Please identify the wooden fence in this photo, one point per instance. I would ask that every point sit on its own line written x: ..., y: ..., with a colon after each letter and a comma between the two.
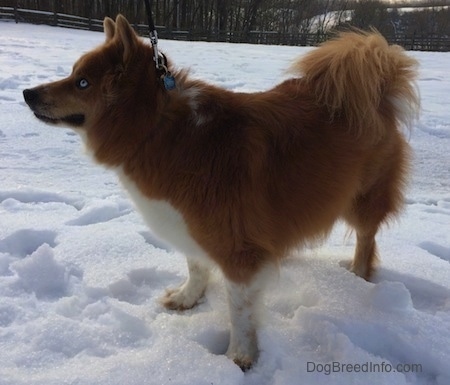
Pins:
x: 411, y: 42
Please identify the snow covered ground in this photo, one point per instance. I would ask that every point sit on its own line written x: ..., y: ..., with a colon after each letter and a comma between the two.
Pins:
x: 80, y: 274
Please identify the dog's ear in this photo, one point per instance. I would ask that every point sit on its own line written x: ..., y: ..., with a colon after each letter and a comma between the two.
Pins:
x: 127, y: 36
x: 109, y: 27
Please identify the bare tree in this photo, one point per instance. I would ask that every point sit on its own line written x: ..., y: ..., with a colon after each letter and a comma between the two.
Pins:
x: 289, y: 21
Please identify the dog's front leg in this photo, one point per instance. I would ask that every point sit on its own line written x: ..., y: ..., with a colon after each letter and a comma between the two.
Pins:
x: 244, y: 304
x: 187, y: 295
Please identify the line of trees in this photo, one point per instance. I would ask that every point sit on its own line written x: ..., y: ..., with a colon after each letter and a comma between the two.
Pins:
x: 243, y: 16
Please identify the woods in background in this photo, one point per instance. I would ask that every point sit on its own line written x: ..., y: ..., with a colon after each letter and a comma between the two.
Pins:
x: 210, y: 17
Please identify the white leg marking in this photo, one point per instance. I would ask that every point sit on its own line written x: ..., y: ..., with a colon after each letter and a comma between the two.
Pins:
x: 244, y: 305
x: 168, y: 224
x: 188, y: 294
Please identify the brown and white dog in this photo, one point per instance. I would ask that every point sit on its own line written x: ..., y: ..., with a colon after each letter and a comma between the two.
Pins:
x: 236, y: 180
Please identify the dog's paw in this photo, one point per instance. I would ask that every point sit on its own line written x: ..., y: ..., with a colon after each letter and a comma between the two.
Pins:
x: 180, y: 299
x: 244, y: 361
x: 243, y: 355
x: 362, y: 271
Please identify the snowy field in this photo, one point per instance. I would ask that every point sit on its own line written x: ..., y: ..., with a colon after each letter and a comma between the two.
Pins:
x: 80, y: 274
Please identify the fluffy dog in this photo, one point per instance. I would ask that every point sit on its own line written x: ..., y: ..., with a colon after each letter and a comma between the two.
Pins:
x: 236, y: 180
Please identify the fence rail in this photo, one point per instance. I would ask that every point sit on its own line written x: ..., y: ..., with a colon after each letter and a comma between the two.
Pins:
x: 411, y: 42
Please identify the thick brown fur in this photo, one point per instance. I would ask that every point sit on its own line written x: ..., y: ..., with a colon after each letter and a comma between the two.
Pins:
x: 252, y: 174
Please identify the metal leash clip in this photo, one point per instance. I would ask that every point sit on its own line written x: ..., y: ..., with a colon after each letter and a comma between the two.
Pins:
x: 167, y: 78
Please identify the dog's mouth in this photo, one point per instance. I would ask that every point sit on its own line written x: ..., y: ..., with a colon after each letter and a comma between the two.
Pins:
x: 46, y: 119
x: 73, y: 120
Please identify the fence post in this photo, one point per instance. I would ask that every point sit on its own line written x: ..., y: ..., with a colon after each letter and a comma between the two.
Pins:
x: 16, y: 14
x: 55, y: 14
x: 89, y: 15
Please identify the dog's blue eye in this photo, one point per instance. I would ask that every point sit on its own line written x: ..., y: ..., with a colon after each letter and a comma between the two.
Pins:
x: 82, y: 84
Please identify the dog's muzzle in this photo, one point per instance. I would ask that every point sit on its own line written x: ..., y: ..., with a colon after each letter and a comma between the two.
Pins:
x: 33, y: 99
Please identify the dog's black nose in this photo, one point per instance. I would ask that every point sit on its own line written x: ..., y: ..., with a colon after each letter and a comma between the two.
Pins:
x: 30, y: 96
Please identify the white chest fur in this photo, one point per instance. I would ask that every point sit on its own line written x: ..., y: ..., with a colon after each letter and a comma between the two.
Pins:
x: 163, y: 219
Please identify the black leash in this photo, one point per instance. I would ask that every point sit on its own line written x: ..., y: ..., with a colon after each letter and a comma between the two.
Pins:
x: 159, y: 58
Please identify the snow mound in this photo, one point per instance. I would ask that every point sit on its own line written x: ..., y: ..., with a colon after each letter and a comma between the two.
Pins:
x: 41, y: 274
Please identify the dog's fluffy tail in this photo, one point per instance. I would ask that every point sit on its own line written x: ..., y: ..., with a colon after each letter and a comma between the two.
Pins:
x: 362, y: 79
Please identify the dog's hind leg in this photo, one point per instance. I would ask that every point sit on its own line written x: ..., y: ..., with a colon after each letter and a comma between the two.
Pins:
x: 366, y: 214
x: 369, y: 211
x: 187, y: 295
x: 366, y: 256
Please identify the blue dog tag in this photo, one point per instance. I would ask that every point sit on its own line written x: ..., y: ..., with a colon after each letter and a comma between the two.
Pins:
x: 169, y: 82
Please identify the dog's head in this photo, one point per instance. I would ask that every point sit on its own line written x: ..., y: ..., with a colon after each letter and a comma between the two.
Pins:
x: 112, y: 78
